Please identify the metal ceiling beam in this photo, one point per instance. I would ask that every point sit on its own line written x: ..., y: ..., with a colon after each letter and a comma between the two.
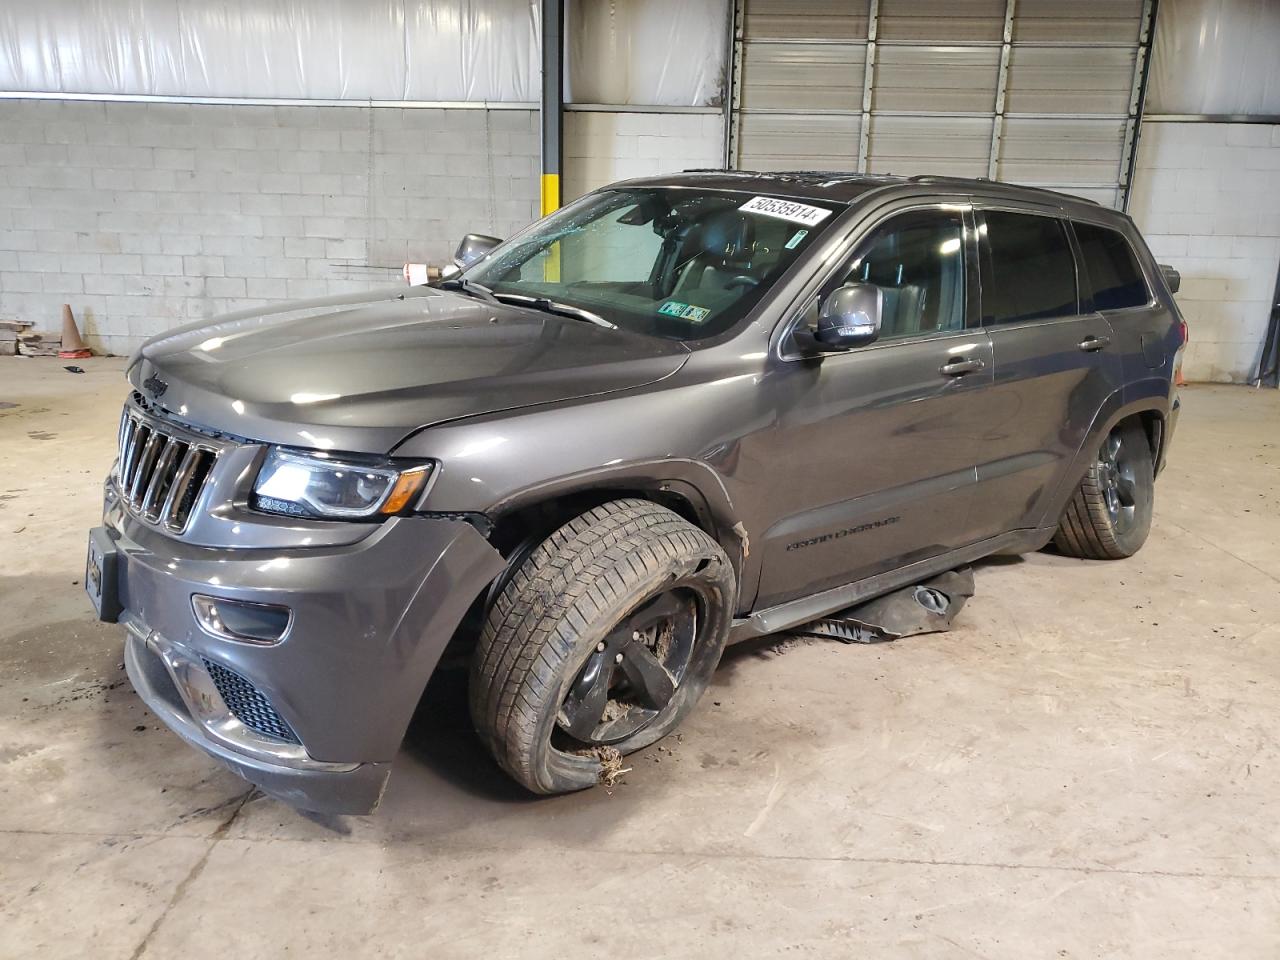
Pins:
x: 271, y: 101
x: 733, y: 82
x: 1137, y: 102
x: 1002, y: 87
x: 868, y: 85
x: 948, y: 114
x: 940, y: 44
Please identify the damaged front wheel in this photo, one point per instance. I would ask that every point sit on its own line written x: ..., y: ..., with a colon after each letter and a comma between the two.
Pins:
x: 602, y: 641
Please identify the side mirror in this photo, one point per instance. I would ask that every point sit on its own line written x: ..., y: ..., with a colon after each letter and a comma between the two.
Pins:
x: 474, y: 246
x: 1172, y: 278
x: 850, y: 316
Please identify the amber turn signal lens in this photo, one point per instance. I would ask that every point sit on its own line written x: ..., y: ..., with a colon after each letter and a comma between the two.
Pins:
x: 407, y: 487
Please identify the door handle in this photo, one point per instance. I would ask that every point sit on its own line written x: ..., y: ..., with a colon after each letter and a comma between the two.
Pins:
x: 1091, y: 343
x: 959, y: 367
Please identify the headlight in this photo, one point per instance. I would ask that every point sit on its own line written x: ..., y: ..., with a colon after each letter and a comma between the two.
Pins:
x: 299, y: 485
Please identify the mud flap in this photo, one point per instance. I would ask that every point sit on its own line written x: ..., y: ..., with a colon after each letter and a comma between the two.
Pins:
x: 927, y: 607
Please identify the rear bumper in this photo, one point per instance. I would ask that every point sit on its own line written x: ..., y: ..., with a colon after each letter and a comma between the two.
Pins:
x: 369, y: 623
x: 1170, y: 424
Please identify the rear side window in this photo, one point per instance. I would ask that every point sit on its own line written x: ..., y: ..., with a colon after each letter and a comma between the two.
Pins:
x: 1112, y: 270
x: 1032, y: 273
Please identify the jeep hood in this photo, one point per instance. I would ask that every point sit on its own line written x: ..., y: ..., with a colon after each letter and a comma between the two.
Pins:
x: 361, y: 372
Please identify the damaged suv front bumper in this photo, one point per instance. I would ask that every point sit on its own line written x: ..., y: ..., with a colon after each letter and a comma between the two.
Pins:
x: 315, y: 718
x: 178, y: 688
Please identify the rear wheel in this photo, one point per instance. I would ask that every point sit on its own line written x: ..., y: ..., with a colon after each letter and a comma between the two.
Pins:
x: 1110, y: 515
x: 603, y: 640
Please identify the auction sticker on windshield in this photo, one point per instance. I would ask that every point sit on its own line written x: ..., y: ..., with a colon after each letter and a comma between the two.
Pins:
x: 786, y: 210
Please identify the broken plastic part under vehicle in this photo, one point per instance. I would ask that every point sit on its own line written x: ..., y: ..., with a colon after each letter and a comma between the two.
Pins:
x: 928, y: 607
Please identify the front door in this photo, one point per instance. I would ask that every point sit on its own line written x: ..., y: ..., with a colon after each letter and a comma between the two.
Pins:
x: 873, y: 458
x: 1055, y: 365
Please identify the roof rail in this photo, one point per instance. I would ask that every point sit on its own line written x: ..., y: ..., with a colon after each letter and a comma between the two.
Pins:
x: 931, y: 178
x: 940, y: 178
x: 794, y: 174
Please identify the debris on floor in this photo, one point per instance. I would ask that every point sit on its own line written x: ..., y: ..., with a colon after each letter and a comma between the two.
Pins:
x: 610, y: 764
x: 35, y: 344
x: 927, y: 607
x: 787, y: 642
x: 10, y: 330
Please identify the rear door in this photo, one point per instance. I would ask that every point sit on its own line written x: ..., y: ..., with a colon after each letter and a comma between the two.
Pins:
x: 1147, y: 337
x: 871, y: 465
x: 1055, y: 363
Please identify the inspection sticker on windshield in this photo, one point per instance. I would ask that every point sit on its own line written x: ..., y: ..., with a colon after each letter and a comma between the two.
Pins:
x: 685, y: 311
x: 786, y: 210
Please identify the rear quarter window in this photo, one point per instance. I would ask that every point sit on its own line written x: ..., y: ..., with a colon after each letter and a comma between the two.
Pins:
x: 1113, y: 276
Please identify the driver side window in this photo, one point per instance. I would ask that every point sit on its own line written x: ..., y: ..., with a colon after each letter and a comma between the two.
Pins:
x: 918, y: 261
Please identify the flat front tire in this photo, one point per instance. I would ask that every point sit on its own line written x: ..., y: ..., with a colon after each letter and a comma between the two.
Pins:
x: 603, y: 640
x: 1109, y: 517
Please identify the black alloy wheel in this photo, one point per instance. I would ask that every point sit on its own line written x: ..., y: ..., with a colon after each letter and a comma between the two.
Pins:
x: 632, y: 675
x: 602, y: 640
x: 1109, y: 514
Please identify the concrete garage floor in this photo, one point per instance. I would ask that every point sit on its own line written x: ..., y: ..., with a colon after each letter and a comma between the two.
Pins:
x: 1088, y: 766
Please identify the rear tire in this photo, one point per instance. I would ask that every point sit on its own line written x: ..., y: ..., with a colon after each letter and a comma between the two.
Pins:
x: 1109, y: 517
x: 603, y: 640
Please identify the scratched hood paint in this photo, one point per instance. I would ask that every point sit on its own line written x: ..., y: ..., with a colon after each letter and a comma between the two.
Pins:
x: 360, y: 373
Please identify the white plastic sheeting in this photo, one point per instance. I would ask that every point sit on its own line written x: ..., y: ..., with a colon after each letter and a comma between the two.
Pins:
x: 1216, y: 57
x: 659, y: 52
x: 397, y: 50
x: 662, y: 52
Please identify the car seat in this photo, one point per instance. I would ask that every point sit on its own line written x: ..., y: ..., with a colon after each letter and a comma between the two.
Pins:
x: 721, y: 248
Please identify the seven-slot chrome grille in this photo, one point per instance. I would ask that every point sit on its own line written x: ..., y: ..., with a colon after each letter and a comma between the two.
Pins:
x: 161, y: 471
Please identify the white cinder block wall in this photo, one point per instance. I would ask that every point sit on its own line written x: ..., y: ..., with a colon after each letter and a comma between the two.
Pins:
x: 602, y: 147
x: 148, y: 216
x: 1207, y: 198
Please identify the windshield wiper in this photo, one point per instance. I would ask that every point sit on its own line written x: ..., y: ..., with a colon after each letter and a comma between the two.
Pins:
x: 470, y: 287
x: 554, y: 306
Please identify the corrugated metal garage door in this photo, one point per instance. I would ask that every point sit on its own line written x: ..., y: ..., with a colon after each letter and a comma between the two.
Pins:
x: 1039, y: 92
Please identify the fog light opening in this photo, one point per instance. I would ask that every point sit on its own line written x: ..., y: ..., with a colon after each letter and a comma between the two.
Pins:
x: 241, y: 620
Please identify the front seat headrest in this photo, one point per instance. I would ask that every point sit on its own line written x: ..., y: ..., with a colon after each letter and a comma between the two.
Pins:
x: 727, y: 236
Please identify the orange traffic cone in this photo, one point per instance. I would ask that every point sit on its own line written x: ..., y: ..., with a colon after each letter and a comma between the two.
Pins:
x: 73, y: 347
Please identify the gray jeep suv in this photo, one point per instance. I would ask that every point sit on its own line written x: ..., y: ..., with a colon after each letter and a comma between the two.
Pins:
x: 680, y: 412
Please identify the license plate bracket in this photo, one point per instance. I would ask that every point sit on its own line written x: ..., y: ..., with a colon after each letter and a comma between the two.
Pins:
x: 102, y: 575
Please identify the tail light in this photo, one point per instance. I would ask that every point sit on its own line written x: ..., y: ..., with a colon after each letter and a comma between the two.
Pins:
x: 1185, y: 332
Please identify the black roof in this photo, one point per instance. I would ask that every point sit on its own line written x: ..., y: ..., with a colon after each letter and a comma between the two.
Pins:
x: 844, y: 187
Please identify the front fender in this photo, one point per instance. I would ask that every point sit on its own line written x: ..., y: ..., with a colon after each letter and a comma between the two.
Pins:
x: 683, y: 440
x: 694, y: 482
